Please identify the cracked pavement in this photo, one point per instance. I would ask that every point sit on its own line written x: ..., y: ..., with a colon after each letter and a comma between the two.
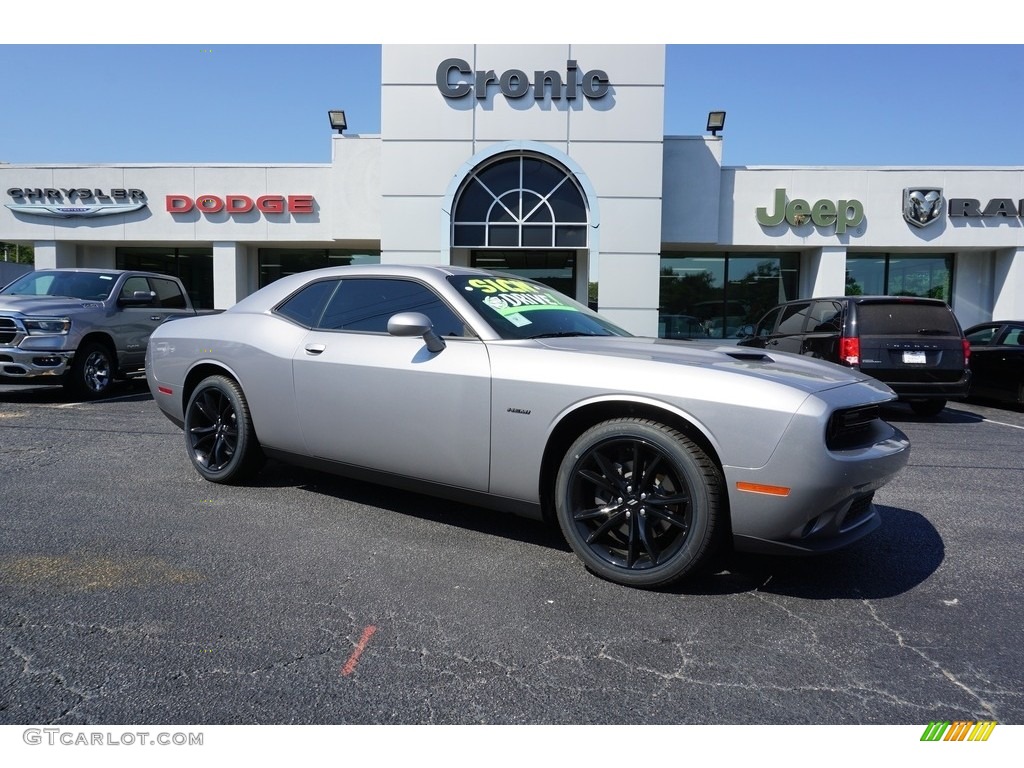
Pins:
x: 132, y: 592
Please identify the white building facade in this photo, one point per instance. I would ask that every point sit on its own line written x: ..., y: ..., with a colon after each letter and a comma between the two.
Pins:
x: 548, y: 161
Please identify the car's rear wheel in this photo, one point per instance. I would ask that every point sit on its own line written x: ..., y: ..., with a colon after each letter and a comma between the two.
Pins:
x: 927, y: 407
x: 219, y: 435
x: 638, y: 502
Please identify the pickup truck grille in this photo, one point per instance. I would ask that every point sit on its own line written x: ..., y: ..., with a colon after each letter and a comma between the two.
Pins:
x: 8, y: 331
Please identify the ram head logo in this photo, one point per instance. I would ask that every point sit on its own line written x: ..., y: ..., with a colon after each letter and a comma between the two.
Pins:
x: 922, y: 206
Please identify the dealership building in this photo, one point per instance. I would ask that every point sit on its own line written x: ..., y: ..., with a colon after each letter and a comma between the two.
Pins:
x: 548, y: 161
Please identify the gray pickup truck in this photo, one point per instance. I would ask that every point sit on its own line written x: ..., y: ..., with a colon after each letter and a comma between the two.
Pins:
x: 83, y: 328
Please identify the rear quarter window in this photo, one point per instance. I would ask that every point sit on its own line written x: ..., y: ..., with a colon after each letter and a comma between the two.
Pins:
x: 905, y: 318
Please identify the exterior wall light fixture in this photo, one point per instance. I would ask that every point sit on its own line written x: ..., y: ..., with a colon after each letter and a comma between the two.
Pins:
x: 337, y: 117
x: 716, y: 122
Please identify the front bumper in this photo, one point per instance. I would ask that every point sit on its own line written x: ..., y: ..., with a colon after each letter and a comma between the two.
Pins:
x: 828, y: 502
x: 23, y: 365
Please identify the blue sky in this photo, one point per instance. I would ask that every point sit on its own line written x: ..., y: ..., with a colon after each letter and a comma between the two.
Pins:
x: 788, y: 104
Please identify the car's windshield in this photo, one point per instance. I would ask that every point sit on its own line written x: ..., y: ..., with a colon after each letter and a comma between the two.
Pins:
x: 522, y: 309
x: 78, y: 285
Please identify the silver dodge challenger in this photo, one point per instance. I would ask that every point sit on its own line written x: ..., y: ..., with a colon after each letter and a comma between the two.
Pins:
x: 500, y: 392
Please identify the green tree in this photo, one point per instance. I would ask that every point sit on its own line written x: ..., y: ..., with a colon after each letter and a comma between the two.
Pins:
x: 19, y: 254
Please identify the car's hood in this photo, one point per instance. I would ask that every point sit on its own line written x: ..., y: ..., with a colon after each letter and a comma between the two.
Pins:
x: 45, y: 305
x: 798, y: 371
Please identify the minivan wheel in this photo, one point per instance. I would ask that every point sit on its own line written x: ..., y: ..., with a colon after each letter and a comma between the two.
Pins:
x: 927, y: 407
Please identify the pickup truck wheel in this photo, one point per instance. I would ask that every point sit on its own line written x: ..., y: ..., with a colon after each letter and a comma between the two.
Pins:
x: 219, y: 435
x: 92, y: 371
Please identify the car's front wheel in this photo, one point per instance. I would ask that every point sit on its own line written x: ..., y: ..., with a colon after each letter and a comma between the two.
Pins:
x: 638, y: 502
x: 219, y: 435
x: 92, y: 371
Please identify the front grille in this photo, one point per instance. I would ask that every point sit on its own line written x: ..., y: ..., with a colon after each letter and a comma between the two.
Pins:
x: 8, y: 330
x: 851, y: 427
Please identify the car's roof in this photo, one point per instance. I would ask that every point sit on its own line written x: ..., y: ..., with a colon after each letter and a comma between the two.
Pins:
x: 94, y: 271
x: 280, y: 289
x: 993, y: 323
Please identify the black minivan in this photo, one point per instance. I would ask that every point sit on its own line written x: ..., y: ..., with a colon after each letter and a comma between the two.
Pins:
x: 915, y: 345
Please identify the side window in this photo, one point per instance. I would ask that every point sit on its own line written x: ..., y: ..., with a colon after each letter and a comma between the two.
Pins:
x: 133, y: 284
x: 767, y: 324
x: 306, y: 306
x: 168, y: 294
x: 826, y: 317
x: 793, y: 317
x: 1014, y: 336
x: 366, y: 304
x: 984, y: 335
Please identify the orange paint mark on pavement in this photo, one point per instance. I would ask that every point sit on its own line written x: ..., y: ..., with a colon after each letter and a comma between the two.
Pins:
x: 353, y: 659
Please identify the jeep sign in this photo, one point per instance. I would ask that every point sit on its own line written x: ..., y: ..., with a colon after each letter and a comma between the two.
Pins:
x: 842, y: 214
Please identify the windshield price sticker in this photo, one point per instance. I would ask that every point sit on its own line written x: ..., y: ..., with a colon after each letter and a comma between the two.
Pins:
x: 511, y: 297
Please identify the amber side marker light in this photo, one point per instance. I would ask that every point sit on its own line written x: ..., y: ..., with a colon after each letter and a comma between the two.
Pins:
x: 770, y: 490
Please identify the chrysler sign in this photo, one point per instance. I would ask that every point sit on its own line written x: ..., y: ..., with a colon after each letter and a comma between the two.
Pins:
x: 75, y: 202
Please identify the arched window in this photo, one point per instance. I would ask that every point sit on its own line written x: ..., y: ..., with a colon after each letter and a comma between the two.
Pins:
x: 520, y: 201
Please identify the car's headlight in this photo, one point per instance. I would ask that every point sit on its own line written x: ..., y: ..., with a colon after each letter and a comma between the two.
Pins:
x: 47, y: 326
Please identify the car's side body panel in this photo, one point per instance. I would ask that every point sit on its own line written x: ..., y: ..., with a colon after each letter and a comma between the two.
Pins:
x: 389, y: 404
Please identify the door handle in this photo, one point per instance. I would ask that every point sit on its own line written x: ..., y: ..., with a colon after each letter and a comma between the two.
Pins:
x: 315, y: 349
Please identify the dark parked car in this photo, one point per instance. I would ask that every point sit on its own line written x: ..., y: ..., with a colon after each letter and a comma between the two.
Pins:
x: 915, y: 345
x: 997, y: 361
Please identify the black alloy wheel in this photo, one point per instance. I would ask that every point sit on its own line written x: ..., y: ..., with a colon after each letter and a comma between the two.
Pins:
x: 638, y: 502
x: 219, y: 435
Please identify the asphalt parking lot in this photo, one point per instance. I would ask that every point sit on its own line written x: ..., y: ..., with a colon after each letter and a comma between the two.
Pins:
x: 133, y: 592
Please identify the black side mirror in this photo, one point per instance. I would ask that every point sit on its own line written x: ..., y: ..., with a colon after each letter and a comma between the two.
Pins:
x: 137, y: 299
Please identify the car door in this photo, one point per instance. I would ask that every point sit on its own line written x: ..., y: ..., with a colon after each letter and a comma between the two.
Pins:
x: 133, y: 325
x: 999, y: 364
x: 370, y: 399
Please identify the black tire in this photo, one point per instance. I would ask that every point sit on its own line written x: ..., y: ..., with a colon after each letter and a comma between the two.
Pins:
x: 648, y: 533
x: 219, y: 436
x: 927, y: 407
x: 92, y: 371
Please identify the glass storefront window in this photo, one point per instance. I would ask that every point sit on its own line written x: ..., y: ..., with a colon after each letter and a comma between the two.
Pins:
x: 275, y: 263
x: 929, y: 276
x: 713, y: 295
x: 193, y: 266
x: 554, y: 268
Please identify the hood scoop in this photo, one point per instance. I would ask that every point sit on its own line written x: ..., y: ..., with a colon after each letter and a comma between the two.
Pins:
x: 753, y: 356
